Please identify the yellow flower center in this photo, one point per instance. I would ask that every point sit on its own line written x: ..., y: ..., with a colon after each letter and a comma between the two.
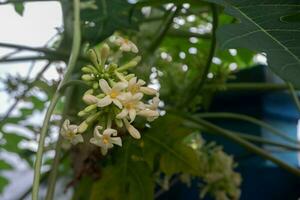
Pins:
x: 105, y: 139
x: 129, y: 105
x: 113, y: 94
x: 134, y: 89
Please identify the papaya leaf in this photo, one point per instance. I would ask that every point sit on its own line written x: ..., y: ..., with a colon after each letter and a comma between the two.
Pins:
x: 164, y: 140
x: 107, y: 18
x: 128, y: 178
x: 265, y: 26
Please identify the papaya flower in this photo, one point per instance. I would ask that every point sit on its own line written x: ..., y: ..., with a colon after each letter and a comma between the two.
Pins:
x: 131, y: 105
x: 135, y: 86
x: 105, y: 140
x: 126, y: 45
x: 112, y: 94
x: 70, y: 132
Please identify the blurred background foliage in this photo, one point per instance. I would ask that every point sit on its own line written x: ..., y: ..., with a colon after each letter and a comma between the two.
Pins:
x: 180, y: 58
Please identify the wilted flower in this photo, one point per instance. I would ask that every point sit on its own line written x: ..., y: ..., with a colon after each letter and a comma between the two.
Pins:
x: 70, y: 132
x: 105, y: 140
x: 126, y: 45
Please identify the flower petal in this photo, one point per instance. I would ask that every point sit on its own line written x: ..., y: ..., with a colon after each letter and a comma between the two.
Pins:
x: 104, y: 86
x: 132, y: 81
x: 122, y: 114
x: 77, y: 139
x: 66, y: 124
x: 110, y: 131
x: 104, y: 101
x: 116, y: 141
x: 117, y: 103
x: 132, y: 114
x: 119, y: 86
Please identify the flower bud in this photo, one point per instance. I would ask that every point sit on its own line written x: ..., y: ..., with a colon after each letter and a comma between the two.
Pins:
x: 132, y: 130
x: 148, y: 90
x: 104, y: 52
x: 90, y: 108
x: 93, y: 57
x: 92, y: 118
x: 82, y: 127
x: 119, y: 123
x: 89, y: 99
x: 87, y: 77
x: 81, y: 113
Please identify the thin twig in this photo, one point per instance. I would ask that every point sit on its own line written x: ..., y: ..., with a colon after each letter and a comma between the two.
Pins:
x: 23, y: 95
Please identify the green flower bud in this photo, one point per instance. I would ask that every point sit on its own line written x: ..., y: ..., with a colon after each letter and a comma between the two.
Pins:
x: 87, y: 77
x: 81, y: 113
x: 92, y: 118
x: 104, y: 53
x: 95, y: 85
x: 82, y: 127
x: 92, y: 54
x: 90, y: 108
x: 130, y: 64
x: 119, y: 122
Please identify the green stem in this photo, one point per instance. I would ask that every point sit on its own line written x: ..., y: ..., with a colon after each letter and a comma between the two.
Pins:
x: 55, y: 164
x: 17, y: 1
x: 212, y: 48
x: 246, y: 86
x: 71, y: 65
x: 230, y: 135
x: 164, y: 28
x: 248, y: 119
x: 30, y: 58
x: 294, y: 95
x: 261, y: 140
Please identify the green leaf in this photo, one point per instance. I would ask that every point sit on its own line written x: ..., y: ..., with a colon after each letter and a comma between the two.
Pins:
x: 19, y: 8
x: 263, y: 28
x: 128, y: 178
x: 4, y: 165
x: 3, y: 183
x: 165, y: 141
x: 107, y: 18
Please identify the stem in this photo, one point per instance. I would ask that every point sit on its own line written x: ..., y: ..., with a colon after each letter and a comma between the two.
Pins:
x: 248, y: 119
x: 294, y: 95
x: 247, y: 86
x: 30, y: 58
x: 54, y: 169
x: 18, y: 1
x: 211, y: 51
x: 71, y: 65
x: 230, y: 135
x: 164, y: 28
x: 265, y: 141
x: 187, y: 34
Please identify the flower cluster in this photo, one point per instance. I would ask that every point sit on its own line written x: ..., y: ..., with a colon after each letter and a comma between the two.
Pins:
x: 114, y: 100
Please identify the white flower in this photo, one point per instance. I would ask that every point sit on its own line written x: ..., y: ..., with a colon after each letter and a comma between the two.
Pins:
x: 132, y: 130
x: 112, y: 94
x: 126, y: 45
x: 70, y: 132
x: 105, y: 140
x: 135, y: 86
x: 131, y: 105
